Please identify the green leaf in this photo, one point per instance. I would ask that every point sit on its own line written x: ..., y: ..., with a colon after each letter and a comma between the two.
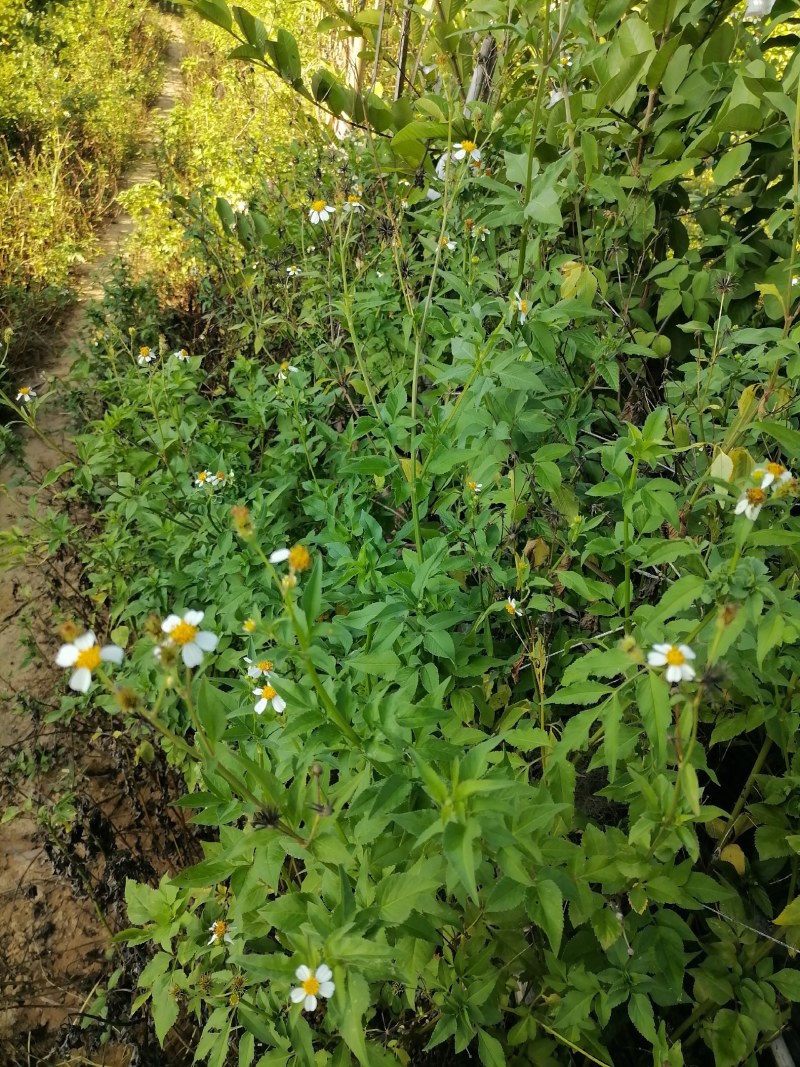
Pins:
x: 544, y: 208
x: 288, y: 57
x: 457, y: 844
x: 215, y: 11
x: 164, y: 1007
x: 731, y: 163
x: 545, y: 906
x: 579, y: 693
x: 439, y: 643
x: 412, y: 890
x: 211, y: 710
x: 312, y: 593
x: 733, y: 1037
x: 787, y: 438
x: 790, y: 916
x: 410, y: 142
x: 655, y: 710
x: 490, y: 1050
x: 384, y: 662
x: 355, y: 1001
x: 787, y: 982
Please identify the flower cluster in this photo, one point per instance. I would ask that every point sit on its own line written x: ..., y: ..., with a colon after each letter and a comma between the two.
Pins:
x: 772, y: 476
x: 210, y: 480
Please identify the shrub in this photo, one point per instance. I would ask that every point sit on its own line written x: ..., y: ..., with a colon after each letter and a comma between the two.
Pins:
x: 519, y: 767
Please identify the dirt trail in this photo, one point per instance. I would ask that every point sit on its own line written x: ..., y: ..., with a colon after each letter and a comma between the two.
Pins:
x: 54, y: 941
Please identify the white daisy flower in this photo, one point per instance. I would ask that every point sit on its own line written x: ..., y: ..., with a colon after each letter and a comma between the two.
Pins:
x: 259, y: 668
x: 405, y: 183
x: 26, y: 394
x: 146, y: 355
x: 482, y: 232
x: 512, y: 608
x: 473, y: 486
x: 182, y: 355
x: 222, y: 477
x: 675, y: 658
x: 311, y: 248
x: 249, y: 626
x: 522, y: 306
x: 186, y: 633
x: 353, y: 203
x: 467, y: 149
x: 774, y: 474
x: 268, y: 694
x: 293, y: 271
x: 446, y: 242
x: 240, y: 207
x: 220, y: 931
x: 320, y: 212
x: 285, y: 369
x: 204, y: 478
x: 751, y: 504
x: 312, y: 985
x: 299, y: 557
x: 85, y: 655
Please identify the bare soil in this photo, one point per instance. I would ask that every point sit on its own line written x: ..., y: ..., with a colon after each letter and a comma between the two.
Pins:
x: 88, y: 815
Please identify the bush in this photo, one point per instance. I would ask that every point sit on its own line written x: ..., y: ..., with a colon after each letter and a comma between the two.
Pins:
x: 493, y: 490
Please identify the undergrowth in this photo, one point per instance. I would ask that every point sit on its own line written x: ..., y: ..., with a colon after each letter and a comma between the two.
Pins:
x: 448, y: 528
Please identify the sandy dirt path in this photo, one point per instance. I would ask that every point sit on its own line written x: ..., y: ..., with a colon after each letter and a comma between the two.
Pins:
x: 54, y: 942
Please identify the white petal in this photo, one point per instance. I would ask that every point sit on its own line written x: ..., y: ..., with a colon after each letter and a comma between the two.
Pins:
x: 254, y: 672
x: 656, y: 659
x: 663, y: 648
x: 194, y: 618
x: 476, y: 155
x: 279, y: 705
x: 280, y: 555
x: 310, y: 1004
x: 297, y: 995
x: 673, y: 673
x: 326, y: 989
x: 66, y: 656
x: 192, y: 654
x: 261, y: 706
x: 769, y: 478
x: 459, y: 154
x: 85, y: 641
x: 303, y: 973
x: 169, y: 624
x: 742, y: 505
x: 211, y: 939
x: 323, y: 973
x: 81, y: 680
x: 206, y: 640
x: 687, y: 672
x: 112, y: 654
x: 687, y: 652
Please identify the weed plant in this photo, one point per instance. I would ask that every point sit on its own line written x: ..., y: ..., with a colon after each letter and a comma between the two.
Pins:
x: 454, y: 562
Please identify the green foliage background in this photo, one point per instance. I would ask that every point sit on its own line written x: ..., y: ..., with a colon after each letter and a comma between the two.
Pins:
x: 505, y: 833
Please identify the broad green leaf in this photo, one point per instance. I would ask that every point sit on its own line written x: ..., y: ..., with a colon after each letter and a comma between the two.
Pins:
x: 731, y: 163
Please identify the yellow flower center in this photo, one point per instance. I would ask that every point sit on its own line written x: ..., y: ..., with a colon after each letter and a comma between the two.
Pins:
x: 183, y: 633
x: 299, y: 558
x: 675, y: 658
x: 310, y: 987
x: 265, y: 665
x: 201, y: 477
x: 354, y: 200
x: 24, y: 390
x: 756, y: 497
x: 89, y: 658
x: 468, y: 146
x: 523, y: 306
x: 469, y: 223
x: 221, y: 475
x: 249, y: 625
x: 220, y: 928
x: 317, y: 205
x: 471, y: 485
x: 285, y: 366
x: 776, y: 469
x: 144, y: 351
x: 511, y: 608
x: 269, y: 692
